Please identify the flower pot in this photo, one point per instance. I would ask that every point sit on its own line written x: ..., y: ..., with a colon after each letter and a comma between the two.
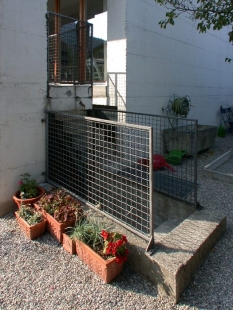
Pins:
x: 68, y: 244
x: 33, y: 231
x: 56, y: 228
x: 107, y: 270
x: 39, y: 209
x: 19, y: 201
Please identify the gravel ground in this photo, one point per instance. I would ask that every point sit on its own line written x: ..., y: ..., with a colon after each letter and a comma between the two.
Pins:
x: 41, y: 275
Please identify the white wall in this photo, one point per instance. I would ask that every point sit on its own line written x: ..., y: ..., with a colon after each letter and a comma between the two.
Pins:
x: 177, y: 60
x: 23, y: 76
x: 116, y: 53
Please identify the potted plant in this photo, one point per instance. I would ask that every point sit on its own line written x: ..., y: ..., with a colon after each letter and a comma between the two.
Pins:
x: 104, y: 252
x: 29, y: 191
x: 30, y: 221
x: 61, y: 211
x: 68, y: 243
x: 221, y: 131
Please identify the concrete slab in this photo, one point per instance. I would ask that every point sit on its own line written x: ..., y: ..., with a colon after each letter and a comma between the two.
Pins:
x: 219, y: 169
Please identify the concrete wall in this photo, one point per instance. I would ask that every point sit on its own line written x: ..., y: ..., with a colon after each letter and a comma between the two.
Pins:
x: 23, y: 76
x: 160, y: 63
x: 69, y: 97
x: 116, y: 53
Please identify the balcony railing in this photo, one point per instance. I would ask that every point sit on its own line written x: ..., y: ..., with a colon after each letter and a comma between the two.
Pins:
x: 70, y: 57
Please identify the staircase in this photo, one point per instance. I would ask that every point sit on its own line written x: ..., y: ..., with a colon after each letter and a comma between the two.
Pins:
x: 100, y: 94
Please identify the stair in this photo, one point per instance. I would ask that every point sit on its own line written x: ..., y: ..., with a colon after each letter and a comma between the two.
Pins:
x: 100, y: 94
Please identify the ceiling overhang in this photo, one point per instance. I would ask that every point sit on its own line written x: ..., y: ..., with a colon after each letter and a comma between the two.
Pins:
x: 71, y: 7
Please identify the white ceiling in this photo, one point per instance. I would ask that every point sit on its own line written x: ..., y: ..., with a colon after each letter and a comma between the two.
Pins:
x: 71, y: 7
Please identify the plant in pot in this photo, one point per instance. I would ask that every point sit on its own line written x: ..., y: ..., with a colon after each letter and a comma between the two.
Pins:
x: 221, y: 131
x: 30, y: 221
x: 104, y: 252
x: 29, y: 191
x: 61, y: 211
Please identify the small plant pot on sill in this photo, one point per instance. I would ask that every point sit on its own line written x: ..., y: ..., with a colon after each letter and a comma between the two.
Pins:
x: 68, y: 244
x: 32, y: 231
x: 56, y: 228
x: 20, y: 201
x: 107, y: 270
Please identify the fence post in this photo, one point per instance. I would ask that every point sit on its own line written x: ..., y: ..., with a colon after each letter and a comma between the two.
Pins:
x: 151, y: 245
x: 195, y: 164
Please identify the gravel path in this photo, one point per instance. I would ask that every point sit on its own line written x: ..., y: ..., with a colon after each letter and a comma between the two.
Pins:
x: 40, y: 275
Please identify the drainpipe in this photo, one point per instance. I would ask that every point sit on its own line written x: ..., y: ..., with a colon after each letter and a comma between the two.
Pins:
x: 57, y: 42
x: 82, y: 40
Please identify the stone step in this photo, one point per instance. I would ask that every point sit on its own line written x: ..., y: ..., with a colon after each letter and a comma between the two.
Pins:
x: 99, y: 90
x: 180, y: 253
x: 165, y: 228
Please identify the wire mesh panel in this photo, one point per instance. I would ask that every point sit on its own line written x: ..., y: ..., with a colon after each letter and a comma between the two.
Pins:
x: 100, y: 161
x: 69, y: 50
x: 175, y: 147
x: 117, y: 89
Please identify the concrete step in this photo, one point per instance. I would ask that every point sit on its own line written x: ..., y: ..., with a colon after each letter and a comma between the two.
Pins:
x: 165, y: 228
x: 99, y: 94
x: 99, y: 90
x: 180, y: 253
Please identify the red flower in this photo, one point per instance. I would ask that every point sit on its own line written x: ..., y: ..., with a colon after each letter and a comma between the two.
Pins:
x: 114, y: 245
x: 119, y: 243
x: 124, y: 238
x: 104, y: 234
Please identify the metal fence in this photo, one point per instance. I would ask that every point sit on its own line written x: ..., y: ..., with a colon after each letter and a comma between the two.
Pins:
x: 100, y: 162
x: 115, y: 161
x: 116, y: 89
x: 70, y: 58
x: 174, y: 151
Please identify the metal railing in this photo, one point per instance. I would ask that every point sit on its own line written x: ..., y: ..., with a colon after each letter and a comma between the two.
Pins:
x: 116, y: 89
x: 115, y: 162
x: 175, y: 141
x: 99, y: 161
x: 70, y: 58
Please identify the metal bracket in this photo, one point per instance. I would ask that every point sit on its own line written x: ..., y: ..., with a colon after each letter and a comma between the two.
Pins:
x: 151, y: 248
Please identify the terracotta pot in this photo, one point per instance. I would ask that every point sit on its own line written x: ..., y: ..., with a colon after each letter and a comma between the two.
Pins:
x: 68, y: 244
x: 19, y: 201
x: 56, y: 228
x: 107, y: 270
x: 39, y: 209
x: 33, y: 231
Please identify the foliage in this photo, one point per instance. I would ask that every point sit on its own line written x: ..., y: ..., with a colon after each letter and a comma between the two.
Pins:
x: 114, y: 244
x: 221, y: 131
x: 61, y: 205
x: 30, y: 215
x: 28, y: 187
x: 209, y: 14
x: 89, y: 233
x: 181, y: 106
x: 107, y: 244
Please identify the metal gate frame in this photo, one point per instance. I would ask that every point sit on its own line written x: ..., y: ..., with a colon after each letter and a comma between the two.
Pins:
x: 76, y: 144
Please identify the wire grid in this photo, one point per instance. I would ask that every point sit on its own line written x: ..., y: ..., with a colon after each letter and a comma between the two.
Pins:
x: 117, y: 89
x: 99, y: 161
x: 175, y: 139
x: 70, y: 57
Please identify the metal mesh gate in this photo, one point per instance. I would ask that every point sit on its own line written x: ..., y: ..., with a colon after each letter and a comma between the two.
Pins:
x: 175, y: 141
x: 100, y: 162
